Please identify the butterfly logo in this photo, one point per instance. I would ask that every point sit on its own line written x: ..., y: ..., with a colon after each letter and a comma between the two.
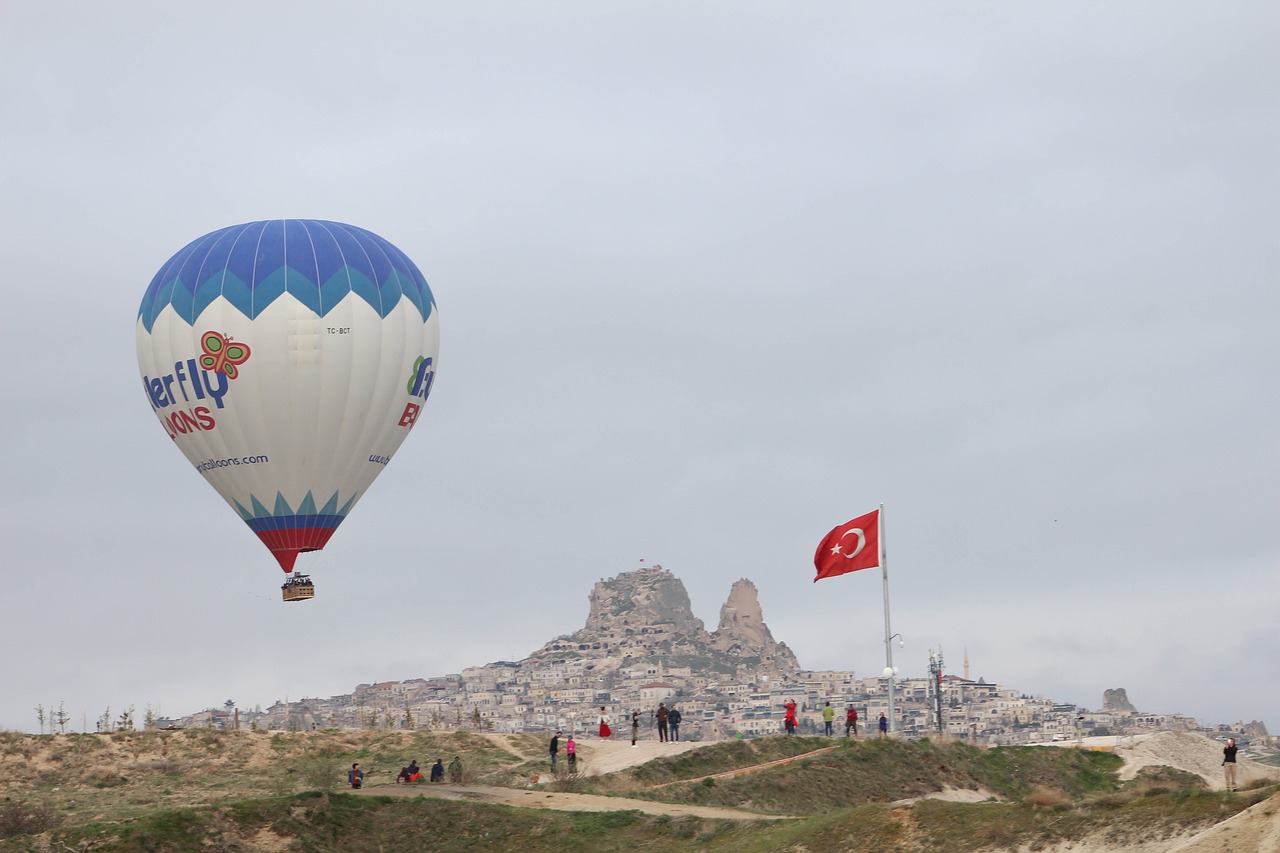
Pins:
x: 221, y: 354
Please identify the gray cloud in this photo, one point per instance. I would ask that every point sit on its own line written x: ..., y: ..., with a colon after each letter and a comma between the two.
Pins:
x: 713, y: 279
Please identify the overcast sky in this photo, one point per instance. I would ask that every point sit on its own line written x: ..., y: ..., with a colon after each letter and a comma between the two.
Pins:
x: 713, y: 278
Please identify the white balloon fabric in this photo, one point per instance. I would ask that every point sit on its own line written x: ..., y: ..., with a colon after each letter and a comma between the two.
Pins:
x: 288, y: 359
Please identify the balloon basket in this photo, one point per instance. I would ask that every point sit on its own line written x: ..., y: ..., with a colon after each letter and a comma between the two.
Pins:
x: 298, y: 588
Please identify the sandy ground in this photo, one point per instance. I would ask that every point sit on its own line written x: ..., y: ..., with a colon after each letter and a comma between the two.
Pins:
x: 595, y: 758
x: 559, y: 802
x: 1194, y: 753
x: 1255, y: 830
x: 598, y: 757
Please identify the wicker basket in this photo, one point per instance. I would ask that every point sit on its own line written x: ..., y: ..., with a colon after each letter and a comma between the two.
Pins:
x: 298, y: 591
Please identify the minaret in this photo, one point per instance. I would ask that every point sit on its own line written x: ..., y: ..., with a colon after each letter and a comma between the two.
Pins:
x: 966, y: 663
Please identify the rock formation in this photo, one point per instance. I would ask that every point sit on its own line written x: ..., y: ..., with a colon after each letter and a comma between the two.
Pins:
x: 742, y: 630
x: 646, y: 597
x: 1116, y: 701
x: 645, y: 615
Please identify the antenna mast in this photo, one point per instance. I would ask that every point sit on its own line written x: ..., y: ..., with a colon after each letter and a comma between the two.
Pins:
x: 935, y: 688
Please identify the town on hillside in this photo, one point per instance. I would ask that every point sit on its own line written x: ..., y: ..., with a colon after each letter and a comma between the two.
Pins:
x: 642, y: 645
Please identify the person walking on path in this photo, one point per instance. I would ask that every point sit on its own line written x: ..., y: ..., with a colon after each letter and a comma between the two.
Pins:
x: 851, y: 721
x: 673, y: 720
x: 355, y: 776
x: 1229, y: 764
x: 884, y: 726
x: 571, y: 750
x: 828, y: 716
x: 790, y: 719
x: 455, y: 770
x: 555, y: 750
x: 605, y: 731
x: 662, y: 715
x: 635, y: 727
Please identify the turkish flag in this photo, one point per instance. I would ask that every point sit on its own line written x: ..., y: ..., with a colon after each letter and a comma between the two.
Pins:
x: 852, y: 546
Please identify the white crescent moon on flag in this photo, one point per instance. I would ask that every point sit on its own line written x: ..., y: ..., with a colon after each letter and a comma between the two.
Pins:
x: 862, y: 542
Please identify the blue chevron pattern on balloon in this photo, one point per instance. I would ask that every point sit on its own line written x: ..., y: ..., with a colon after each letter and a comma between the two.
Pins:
x: 282, y: 516
x: 316, y: 261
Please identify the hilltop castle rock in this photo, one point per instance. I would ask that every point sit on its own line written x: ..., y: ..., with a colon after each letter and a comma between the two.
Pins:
x: 1116, y: 700
x: 645, y: 615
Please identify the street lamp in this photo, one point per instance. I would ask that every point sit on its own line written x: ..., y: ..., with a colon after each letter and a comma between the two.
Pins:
x: 889, y: 672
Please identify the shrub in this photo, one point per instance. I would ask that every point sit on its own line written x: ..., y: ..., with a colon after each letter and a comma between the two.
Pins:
x: 18, y: 817
x: 1045, y: 797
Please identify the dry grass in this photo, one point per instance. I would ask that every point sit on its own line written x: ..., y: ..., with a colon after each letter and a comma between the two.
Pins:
x: 1044, y: 797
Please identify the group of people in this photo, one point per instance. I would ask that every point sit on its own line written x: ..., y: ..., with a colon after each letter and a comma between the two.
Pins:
x: 410, y: 773
x: 570, y: 751
x: 668, y: 720
x: 790, y: 722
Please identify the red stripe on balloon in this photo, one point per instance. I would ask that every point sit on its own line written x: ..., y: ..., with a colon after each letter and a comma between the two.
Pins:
x: 287, y: 544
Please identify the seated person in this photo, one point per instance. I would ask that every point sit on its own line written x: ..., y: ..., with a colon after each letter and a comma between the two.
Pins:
x: 403, y: 778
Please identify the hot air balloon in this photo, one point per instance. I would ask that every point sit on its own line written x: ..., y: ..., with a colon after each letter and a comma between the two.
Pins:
x: 288, y: 359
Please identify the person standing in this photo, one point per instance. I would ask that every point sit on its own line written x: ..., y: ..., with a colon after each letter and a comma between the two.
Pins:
x: 355, y: 776
x: 1229, y: 764
x: 455, y: 770
x: 662, y: 715
x: 828, y: 716
x: 790, y: 719
x: 673, y: 720
x: 884, y: 725
x: 635, y: 727
x: 555, y: 750
x: 437, y: 770
x: 571, y: 750
x: 851, y: 721
x: 605, y: 731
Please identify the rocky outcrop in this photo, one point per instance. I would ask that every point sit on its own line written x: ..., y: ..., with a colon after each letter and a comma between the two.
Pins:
x: 1256, y: 730
x: 1116, y: 701
x: 646, y: 615
x: 646, y: 597
x: 742, y: 630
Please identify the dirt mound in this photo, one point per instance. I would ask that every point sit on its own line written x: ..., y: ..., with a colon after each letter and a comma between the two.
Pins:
x: 1194, y: 753
x: 1256, y: 829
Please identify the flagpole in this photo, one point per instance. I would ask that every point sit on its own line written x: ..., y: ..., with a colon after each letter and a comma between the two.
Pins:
x: 888, y: 631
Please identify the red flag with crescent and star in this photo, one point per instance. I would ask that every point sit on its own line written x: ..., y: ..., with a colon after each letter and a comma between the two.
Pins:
x: 851, y: 547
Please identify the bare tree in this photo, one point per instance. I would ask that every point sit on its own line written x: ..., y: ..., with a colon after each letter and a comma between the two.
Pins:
x: 148, y: 718
x: 60, y: 717
x: 125, y: 722
x: 104, y: 722
x: 40, y: 717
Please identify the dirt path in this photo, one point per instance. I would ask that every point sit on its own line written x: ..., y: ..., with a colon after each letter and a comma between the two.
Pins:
x: 559, y: 801
x: 742, y: 771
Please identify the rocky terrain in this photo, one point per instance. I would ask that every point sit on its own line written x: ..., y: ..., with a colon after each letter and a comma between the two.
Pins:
x: 647, y: 612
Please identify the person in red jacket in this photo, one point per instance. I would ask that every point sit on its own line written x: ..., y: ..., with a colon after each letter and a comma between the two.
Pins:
x: 790, y: 719
x: 851, y: 721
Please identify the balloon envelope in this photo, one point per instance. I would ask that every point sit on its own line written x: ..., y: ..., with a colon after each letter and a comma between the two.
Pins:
x: 288, y: 359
